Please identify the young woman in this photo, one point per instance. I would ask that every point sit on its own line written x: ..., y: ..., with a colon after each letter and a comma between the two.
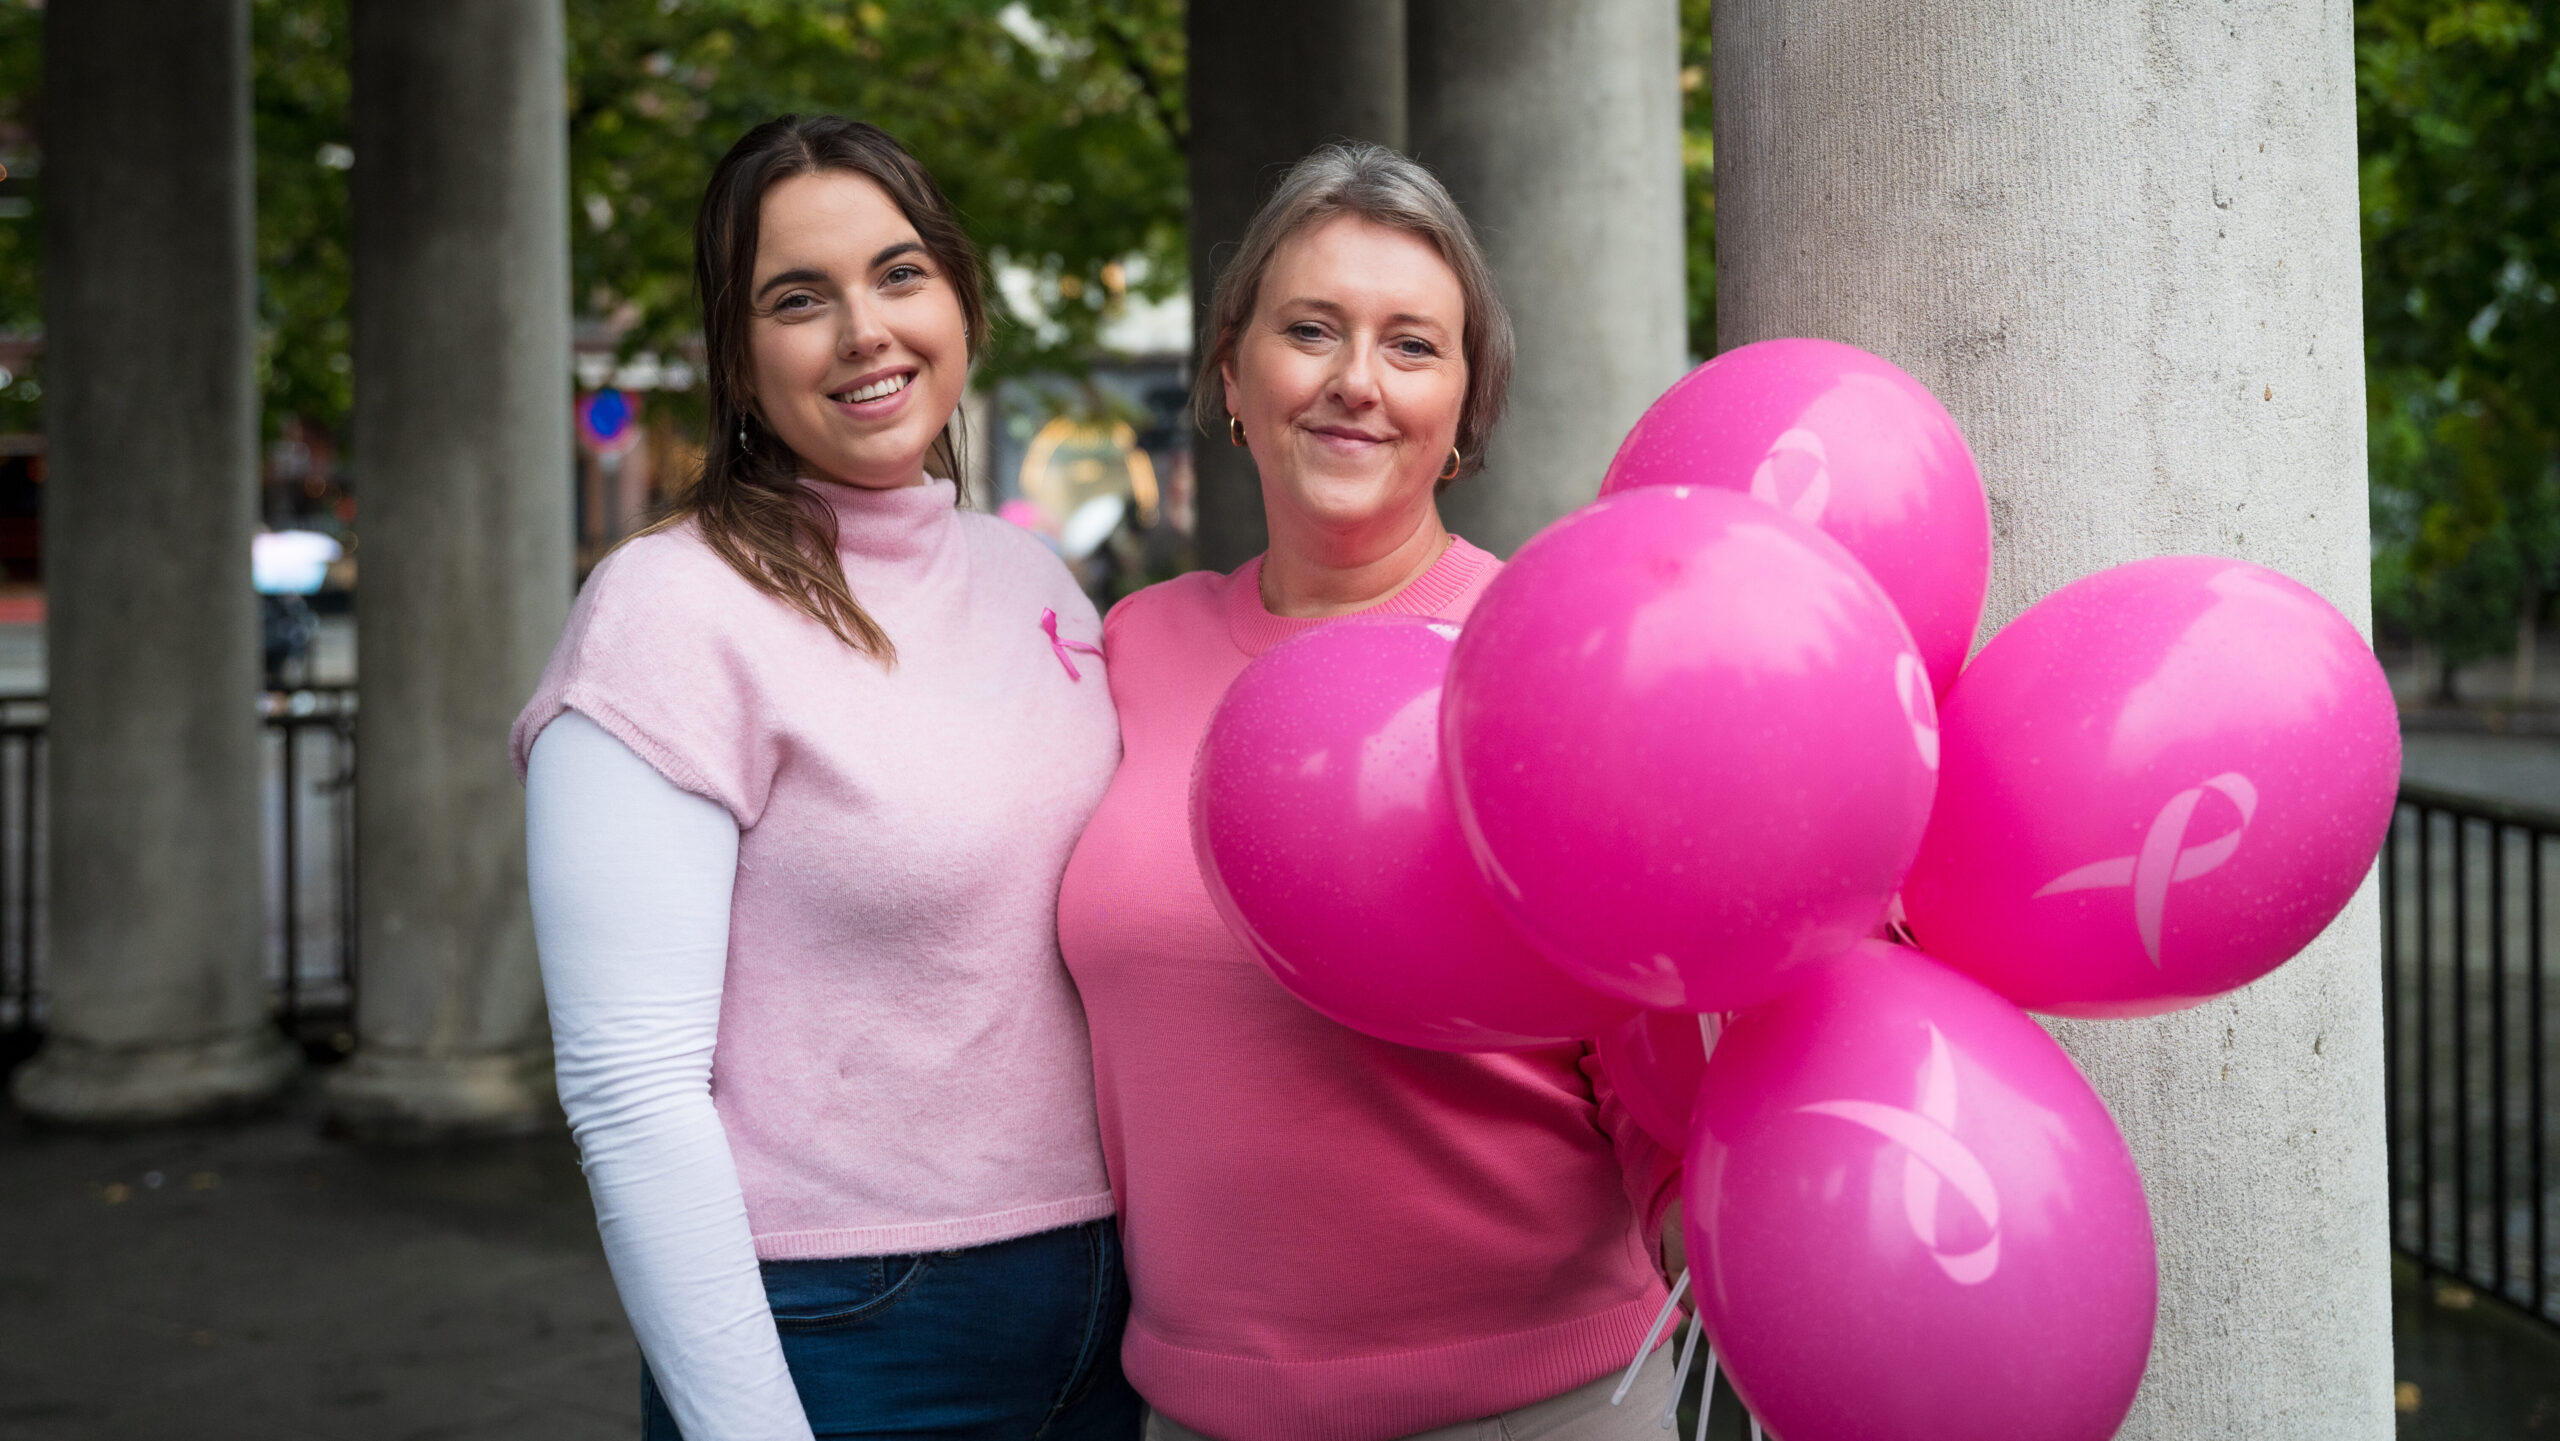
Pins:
x: 802, y: 777
x: 1332, y: 1238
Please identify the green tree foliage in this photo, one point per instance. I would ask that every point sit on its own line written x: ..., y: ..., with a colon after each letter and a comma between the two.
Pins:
x: 298, y: 103
x: 1055, y: 125
x: 2459, y: 105
x: 21, y: 239
x: 1698, y: 170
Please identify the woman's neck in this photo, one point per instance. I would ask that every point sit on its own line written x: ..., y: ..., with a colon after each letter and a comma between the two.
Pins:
x: 894, y: 479
x: 1308, y: 576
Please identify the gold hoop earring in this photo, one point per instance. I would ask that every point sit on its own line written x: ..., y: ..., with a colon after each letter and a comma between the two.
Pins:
x: 1450, y: 471
x: 1235, y: 432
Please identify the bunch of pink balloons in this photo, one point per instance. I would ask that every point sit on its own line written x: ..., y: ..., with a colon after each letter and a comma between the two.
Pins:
x: 1693, y: 751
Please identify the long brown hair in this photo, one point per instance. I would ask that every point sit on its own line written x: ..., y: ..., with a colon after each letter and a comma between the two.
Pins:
x: 749, y: 503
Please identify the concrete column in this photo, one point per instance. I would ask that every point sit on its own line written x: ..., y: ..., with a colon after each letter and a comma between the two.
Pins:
x: 462, y: 470
x: 1558, y: 128
x: 1269, y: 83
x: 2120, y: 242
x: 156, y: 967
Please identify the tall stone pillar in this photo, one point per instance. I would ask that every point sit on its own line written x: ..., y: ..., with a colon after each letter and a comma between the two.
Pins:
x: 1269, y: 83
x: 1558, y: 129
x: 156, y: 975
x: 463, y: 469
x: 2120, y: 242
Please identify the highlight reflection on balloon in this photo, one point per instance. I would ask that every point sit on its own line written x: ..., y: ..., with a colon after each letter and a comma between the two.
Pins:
x: 2160, y: 783
x: 1692, y: 744
x: 1910, y: 1217
x: 1323, y: 826
x: 1847, y: 442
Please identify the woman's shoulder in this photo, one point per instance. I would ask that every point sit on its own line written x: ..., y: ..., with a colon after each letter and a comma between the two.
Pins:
x: 670, y: 587
x: 676, y: 654
x: 1194, y: 600
x: 1013, y: 549
x: 643, y: 569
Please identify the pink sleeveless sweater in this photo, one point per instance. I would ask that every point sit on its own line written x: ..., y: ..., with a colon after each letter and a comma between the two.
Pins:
x: 1330, y: 1238
x: 902, y: 1064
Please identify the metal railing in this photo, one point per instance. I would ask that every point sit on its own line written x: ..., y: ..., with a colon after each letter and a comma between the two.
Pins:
x: 307, y: 824
x: 22, y: 723
x: 310, y: 776
x: 2467, y: 903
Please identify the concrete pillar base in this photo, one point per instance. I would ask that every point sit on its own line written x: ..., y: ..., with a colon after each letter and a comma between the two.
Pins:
x: 79, y: 1083
x: 389, y: 1097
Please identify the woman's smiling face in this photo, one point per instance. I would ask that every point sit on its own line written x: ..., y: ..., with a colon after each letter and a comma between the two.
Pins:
x: 1350, y: 375
x: 859, y: 346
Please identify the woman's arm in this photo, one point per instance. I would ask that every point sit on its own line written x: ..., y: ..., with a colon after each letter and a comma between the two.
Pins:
x: 1650, y: 1169
x: 631, y: 880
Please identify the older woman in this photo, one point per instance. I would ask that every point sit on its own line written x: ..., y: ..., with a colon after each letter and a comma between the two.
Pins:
x: 1331, y: 1236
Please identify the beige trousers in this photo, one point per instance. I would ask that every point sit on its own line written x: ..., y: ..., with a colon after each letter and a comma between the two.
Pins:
x: 1581, y: 1414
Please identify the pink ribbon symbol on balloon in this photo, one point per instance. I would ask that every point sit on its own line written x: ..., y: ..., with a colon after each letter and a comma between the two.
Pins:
x: 2165, y: 857
x: 1934, y: 1159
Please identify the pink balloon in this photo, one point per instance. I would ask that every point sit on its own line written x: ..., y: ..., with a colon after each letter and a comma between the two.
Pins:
x: 1910, y: 1218
x: 1846, y: 441
x: 2161, y: 782
x: 1653, y: 1060
x: 1692, y: 744
x: 1321, y: 818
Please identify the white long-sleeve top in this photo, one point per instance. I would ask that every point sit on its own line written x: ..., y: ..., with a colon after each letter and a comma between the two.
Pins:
x: 631, y: 880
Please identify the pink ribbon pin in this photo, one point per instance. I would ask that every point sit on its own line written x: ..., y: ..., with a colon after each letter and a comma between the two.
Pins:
x: 1049, y: 623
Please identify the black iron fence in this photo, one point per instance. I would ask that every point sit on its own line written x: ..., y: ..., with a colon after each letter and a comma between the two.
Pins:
x: 2467, y: 905
x: 307, y: 813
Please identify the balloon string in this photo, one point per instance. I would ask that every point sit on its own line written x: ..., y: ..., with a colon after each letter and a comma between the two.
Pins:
x: 1707, y: 1396
x: 1680, y: 1378
x: 1755, y: 1425
x: 1670, y: 1304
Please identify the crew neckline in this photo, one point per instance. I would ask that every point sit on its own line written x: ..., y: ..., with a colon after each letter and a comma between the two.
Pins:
x: 1255, y: 629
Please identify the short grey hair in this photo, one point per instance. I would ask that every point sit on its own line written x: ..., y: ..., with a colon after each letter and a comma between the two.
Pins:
x: 1384, y: 188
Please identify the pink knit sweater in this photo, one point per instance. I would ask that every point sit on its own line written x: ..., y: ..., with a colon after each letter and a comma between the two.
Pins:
x: 1330, y: 1238
x: 902, y: 1064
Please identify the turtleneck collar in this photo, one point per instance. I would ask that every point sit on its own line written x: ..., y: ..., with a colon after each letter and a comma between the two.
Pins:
x: 1256, y: 629
x: 909, y: 522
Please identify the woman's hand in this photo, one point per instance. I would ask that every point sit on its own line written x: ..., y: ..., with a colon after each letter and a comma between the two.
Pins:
x: 1675, y: 1252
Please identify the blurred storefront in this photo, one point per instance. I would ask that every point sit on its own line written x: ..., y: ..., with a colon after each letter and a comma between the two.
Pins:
x: 1099, y: 466
x: 635, y: 420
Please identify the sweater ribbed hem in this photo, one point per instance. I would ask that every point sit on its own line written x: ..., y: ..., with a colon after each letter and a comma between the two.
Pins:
x: 1255, y: 629
x: 918, y: 1236
x: 1371, y: 1398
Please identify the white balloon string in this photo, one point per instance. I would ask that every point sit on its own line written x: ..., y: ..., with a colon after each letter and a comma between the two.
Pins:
x: 1670, y: 1304
x: 1680, y: 1378
x: 1755, y: 1426
x: 1707, y: 1396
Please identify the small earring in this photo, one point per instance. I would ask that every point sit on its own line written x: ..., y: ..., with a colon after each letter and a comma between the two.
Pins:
x: 742, y: 432
x: 1450, y: 471
x: 1235, y: 431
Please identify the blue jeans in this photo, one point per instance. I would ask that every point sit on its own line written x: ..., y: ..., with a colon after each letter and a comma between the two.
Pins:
x: 1017, y: 1341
